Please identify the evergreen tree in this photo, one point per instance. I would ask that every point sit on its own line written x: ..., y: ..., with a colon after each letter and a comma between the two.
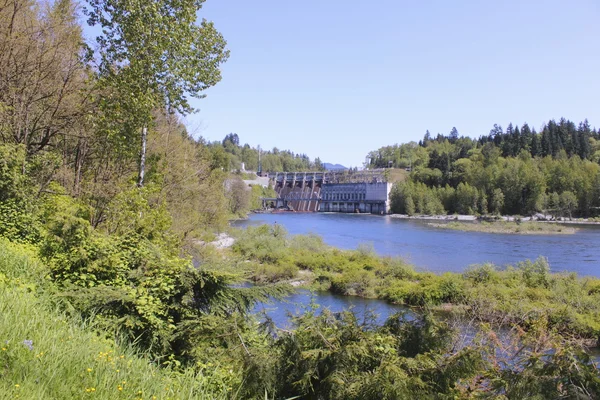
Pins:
x: 496, y: 135
x: 232, y: 138
x: 547, y: 148
x: 453, y: 135
x: 575, y: 146
x: 516, y: 142
x: 507, y: 142
x: 426, y: 138
x: 536, y: 145
x: 526, y: 139
x: 584, y: 133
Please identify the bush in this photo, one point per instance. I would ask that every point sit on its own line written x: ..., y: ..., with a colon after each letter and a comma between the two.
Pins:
x: 535, y: 273
x: 478, y: 274
x: 18, y: 222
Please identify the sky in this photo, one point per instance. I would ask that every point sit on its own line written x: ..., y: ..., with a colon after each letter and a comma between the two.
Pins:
x: 336, y: 79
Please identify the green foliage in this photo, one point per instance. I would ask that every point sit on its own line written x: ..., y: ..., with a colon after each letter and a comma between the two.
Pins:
x: 535, y: 274
x: 140, y: 212
x: 13, y: 179
x: 46, y: 353
x: 229, y: 155
x: 502, y: 173
x: 156, y: 71
x: 239, y: 196
x: 430, y: 289
x: 410, y: 198
x: 481, y: 274
x: 130, y: 279
x: 259, y: 192
x: 17, y: 223
x: 332, y: 356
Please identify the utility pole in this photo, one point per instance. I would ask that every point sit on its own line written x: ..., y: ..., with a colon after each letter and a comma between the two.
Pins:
x: 259, y: 164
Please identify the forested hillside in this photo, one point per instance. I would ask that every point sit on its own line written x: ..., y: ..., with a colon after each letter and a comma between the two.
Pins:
x: 229, y: 154
x: 517, y: 171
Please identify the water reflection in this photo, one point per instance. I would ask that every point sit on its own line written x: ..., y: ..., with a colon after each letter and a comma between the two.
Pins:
x: 303, y: 300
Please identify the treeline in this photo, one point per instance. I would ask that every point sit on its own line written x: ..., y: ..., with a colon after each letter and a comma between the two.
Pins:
x: 515, y: 172
x: 553, y: 139
x: 229, y: 154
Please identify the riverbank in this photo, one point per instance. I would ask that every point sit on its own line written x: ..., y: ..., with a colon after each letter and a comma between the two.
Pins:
x: 506, y: 218
x: 505, y: 227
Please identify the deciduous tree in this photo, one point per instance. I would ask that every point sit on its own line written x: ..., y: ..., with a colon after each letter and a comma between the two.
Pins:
x: 155, y: 54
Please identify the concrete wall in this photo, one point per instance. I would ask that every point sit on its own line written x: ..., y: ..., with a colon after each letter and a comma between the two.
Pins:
x: 381, y: 192
x: 356, y: 197
x: 378, y: 191
x: 298, y: 195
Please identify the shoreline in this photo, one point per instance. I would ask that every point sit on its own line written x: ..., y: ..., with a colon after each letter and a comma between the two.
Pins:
x: 504, y: 218
x: 507, y: 228
x: 459, y: 218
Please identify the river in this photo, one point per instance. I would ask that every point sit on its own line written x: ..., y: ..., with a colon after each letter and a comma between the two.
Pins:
x: 440, y: 250
x: 427, y: 248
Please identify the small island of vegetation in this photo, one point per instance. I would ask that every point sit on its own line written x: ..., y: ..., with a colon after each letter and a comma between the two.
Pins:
x: 507, y: 227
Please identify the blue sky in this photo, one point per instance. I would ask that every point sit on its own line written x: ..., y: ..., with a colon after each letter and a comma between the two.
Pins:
x: 336, y: 79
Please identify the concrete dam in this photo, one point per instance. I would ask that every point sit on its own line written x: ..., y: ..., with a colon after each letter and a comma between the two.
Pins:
x: 358, y: 192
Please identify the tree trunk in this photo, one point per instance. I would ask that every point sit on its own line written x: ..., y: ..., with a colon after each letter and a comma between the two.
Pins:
x: 80, y: 154
x: 143, y: 156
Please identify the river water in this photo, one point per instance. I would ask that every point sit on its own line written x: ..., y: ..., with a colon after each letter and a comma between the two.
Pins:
x: 440, y: 250
x: 427, y: 248
x: 365, y: 310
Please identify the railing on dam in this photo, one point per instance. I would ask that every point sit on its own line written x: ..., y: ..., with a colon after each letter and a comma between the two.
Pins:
x: 369, y: 176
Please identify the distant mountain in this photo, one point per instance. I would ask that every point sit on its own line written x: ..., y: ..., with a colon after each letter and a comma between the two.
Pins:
x: 333, y: 167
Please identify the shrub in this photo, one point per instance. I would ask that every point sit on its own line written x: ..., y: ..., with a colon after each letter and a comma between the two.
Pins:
x: 535, y: 274
x: 478, y: 274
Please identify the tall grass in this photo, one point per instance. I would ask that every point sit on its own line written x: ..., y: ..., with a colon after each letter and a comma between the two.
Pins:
x: 47, y: 354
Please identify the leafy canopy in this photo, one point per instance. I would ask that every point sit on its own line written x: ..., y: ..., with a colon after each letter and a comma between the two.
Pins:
x: 155, y: 51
